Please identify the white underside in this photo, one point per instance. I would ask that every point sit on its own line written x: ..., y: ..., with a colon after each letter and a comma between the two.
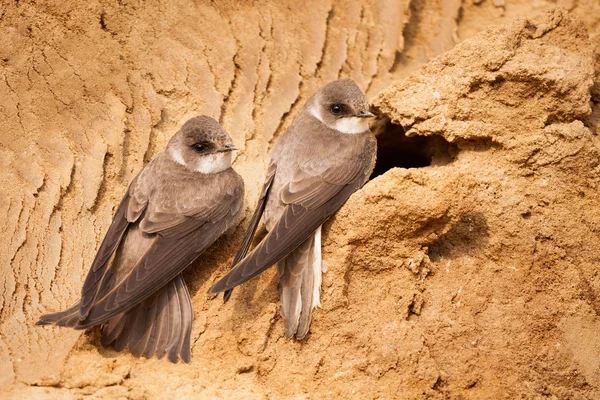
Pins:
x: 352, y: 125
x: 214, y: 163
x: 349, y: 125
x: 206, y: 164
x: 316, y: 266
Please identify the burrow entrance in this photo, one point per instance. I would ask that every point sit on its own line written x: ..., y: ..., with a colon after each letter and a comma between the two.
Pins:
x: 396, y: 150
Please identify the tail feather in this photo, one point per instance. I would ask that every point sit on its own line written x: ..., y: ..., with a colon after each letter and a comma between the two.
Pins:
x: 157, y: 333
x: 161, y: 325
x: 112, y: 330
x: 122, y: 338
x: 291, y: 301
x: 317, y: 267
x: 175, y: 313
x: 187, y: 316
x: 300, y: 286
x: 141, y: 328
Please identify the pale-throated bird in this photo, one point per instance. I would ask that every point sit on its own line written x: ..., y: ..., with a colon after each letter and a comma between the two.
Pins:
x: 173, y: 210
x: 326, y: 154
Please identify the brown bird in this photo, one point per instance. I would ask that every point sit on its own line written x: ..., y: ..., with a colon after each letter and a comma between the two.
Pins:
x: 326, y: 154
x: 173, y: 210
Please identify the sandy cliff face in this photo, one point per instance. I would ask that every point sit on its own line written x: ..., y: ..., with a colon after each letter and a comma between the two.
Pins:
x: 472, y: 274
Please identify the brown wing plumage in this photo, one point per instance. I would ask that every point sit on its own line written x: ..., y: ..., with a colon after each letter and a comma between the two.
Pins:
x: 309, y: 201
x: 100, y: 271
x: 172, y: 251
x: 68, y: 317
x: 260, y: 208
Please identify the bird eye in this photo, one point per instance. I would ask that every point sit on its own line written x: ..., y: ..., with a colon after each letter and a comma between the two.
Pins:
x: 199, y: 147
x: 336, y: 108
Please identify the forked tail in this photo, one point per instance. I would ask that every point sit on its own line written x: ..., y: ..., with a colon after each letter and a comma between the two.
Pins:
x: 300, y: 286
x: 161, y: 324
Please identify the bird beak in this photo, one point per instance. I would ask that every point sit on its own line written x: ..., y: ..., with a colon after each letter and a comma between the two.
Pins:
x: 228, y: 147
x: 365, y: 114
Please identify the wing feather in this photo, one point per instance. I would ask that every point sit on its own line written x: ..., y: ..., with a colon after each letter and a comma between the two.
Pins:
x: 172, y: 250
x: 260, y: 208
x: 100, y: 269
x: 297, y: 222
x: 163, y: 261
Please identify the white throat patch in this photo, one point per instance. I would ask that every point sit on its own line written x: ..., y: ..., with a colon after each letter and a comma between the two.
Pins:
x: 214, y: 163
x: 352, y: 125
x: 208, y: 164
x: 349, y: 125
x: 176, y: 156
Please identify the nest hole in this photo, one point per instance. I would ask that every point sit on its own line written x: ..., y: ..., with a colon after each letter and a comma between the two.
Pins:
x: 396, y: 150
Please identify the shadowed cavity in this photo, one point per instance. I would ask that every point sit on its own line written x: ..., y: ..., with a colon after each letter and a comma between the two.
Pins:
x: 396, y: 150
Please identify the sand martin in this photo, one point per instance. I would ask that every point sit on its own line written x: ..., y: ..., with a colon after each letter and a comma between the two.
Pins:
x: 326, y: 154
x: 173, y: 210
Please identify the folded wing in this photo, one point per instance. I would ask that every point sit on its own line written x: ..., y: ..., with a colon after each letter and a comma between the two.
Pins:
x: 174, y: 247
x: 310, y: 198
x: 260, y: 208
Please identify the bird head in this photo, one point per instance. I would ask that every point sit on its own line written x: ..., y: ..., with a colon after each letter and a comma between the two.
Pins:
x: 202, y: 145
